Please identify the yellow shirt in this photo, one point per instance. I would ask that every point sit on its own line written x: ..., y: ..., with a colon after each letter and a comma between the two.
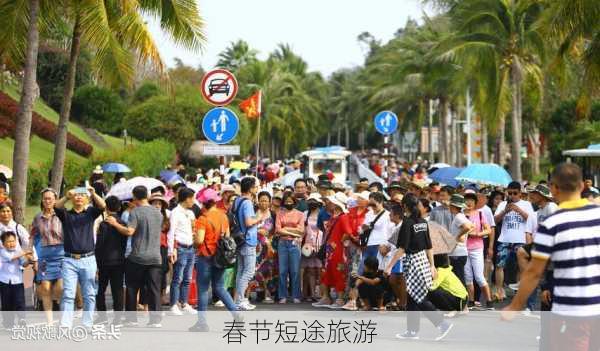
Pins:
x: 448, y: 281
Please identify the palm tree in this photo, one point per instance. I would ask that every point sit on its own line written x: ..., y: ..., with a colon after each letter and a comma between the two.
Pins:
x: 574, y: 26
x: 23, y: 127
x: 238, y: 54
x: 117, y: 33
x: 503, y: 30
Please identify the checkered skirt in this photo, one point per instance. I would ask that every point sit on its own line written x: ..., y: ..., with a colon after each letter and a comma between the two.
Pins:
x: 418, y: 275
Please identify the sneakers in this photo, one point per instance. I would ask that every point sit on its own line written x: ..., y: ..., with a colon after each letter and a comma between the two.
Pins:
x: 267, y: 299
x: 175, y: 311
x: 350, y: 306
x: 514, y: 286
x: 526, y: 312
x: 189, y: 309
x: 199, y: 328
x: 450, y: 314
x: 245, y: 306
x: 444, y: 328
x: 297, y: 301
x: 282, y: 301
x: 338, y: 305
x: 130, y: 324
x: 489, y: 305
x: 322, y: 303
x: 408, y: 335
x: 219, y: 304
x: 154, y: 325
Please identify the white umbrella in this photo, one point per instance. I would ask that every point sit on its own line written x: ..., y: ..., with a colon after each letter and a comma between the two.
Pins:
x: 7, y: 171
x: 123, y: 190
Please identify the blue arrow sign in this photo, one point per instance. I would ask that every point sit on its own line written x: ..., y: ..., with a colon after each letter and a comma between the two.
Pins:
x: 386, y: 122
x: 220, y: 125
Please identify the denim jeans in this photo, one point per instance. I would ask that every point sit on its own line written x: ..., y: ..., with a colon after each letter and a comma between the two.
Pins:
x: 370, y: 251
x: 289, y: 266
x: 182, y: 275
x: 207, y: 274
x: 81, y: 270
x: 246, y: 267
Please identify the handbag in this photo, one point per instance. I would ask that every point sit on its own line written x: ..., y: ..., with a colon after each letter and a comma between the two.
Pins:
x: 366, y: 234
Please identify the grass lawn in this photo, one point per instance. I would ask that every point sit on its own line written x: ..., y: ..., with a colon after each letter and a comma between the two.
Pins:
x: 40, y: 151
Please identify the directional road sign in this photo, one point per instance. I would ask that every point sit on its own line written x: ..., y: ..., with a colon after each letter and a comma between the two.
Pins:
x: 219, y: 87
x: 220, y: 125
x: 386, y: 122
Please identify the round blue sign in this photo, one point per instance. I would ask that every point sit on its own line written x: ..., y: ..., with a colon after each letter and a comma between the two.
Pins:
x: 386, y: 122
x: 220, y: 125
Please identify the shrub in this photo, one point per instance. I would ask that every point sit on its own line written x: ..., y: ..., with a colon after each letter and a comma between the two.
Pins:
x: 145, y: 92
x: 99, y: 108
x: 176, y: 119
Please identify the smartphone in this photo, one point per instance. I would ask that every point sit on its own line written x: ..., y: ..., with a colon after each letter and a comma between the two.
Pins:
x: 87, y: 184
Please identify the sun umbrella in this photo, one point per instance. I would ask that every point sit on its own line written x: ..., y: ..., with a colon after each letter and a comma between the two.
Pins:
x: 485, y: 173
x: 439, y: 165
x: 446, y: 176
x: 115, y: 168
x: 167, y: 174
x: 7, y: 171
x: 239, y: 165
x: 442, y: 242
x: 123, y: 190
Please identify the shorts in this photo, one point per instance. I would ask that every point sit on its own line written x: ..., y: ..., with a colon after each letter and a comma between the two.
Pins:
x: 506, y: 252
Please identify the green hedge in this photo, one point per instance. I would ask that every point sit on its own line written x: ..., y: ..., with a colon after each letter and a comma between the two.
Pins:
x: 146, y: 159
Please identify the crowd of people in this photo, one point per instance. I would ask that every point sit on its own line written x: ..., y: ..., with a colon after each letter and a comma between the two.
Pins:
x: 410, y: 245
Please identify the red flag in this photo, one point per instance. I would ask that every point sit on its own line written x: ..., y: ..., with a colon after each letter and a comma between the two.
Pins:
x: 251, y: 106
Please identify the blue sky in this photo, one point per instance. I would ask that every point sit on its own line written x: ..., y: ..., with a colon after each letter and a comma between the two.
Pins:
x: 323, y: 32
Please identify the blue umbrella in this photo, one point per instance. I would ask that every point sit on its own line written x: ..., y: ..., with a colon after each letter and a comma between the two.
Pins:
x: 485, y: 173
x: 446, y: 176
x: 115, y: 168
x: 167, y: 174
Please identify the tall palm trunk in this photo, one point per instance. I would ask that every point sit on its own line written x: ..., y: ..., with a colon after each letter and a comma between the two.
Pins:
x: 534, y: 139
x: 500, y: 152
x: 23, y: 125
x: 430, y: 132
x: 443, y: 131
x: 452, y: 143
x: 60, y: 145
x: 515, y: 159
x: 484, y: 142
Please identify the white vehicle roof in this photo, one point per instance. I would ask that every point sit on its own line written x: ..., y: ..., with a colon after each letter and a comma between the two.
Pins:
x: 331, y: 152
x: 591, y: 151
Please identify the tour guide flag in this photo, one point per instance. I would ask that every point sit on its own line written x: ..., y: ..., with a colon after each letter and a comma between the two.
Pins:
x: 251, y: 106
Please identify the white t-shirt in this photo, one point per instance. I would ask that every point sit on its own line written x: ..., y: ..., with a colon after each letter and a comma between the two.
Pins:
x: 455, y: 228
x: 382, y: 229
x: 514, y: 226
x: 542, y: 214
x: 489, y: 216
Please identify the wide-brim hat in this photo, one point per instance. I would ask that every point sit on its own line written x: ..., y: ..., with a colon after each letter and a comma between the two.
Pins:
x: 395, y: 186
x: 208, y: 194
x: 543, y: 190
x: 364, y: 195
x: 340, y: 200
x: 458, y: 200
x: 315, y: 197
x: 324, y: 184
x: 159, y: 197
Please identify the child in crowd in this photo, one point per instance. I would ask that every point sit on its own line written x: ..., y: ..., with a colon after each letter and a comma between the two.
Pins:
x: 370, y: 285
x: 12, y: 290
x: 447, y: 292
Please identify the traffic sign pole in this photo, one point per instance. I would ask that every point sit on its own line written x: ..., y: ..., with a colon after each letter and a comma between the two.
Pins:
x: 386, y: 123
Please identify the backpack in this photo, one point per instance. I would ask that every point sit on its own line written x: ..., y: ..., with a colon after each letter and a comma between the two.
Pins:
x: 226, y: 253
x: 235, y: 228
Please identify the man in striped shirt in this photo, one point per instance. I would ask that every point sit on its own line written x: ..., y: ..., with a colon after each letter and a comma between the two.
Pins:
x: 570, y: 238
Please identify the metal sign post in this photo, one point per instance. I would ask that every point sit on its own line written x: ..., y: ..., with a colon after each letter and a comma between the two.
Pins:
x: 386, y: 123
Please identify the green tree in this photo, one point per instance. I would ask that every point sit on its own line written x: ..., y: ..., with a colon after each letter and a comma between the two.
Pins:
x: 99, y: 108
x: 505, y: 31
x: 118, y: 34
x: 236, y: 55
